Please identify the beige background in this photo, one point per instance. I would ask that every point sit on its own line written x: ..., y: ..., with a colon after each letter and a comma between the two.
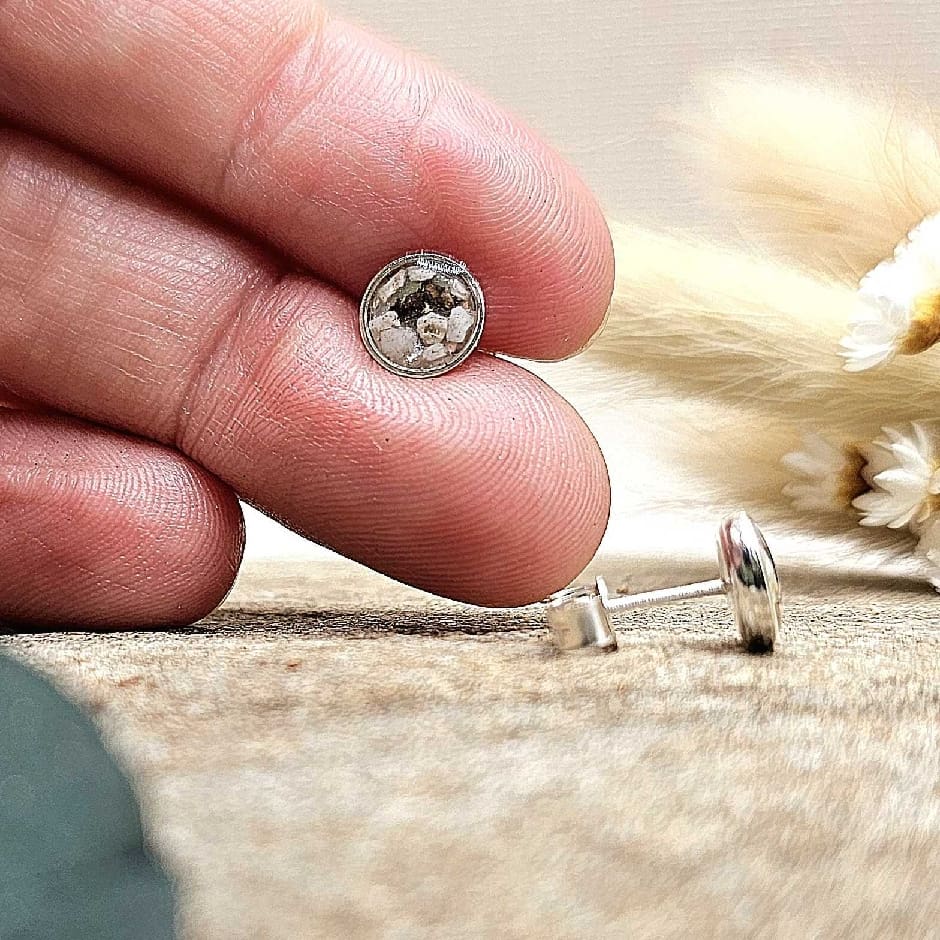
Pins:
x: 601, y: 79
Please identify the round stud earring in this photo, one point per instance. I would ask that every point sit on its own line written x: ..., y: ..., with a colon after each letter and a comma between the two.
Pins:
x: 579, y: 618
x: 422, y: 314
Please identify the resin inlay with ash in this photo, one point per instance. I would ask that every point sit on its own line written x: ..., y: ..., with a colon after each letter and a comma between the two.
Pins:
x: 422, y: 314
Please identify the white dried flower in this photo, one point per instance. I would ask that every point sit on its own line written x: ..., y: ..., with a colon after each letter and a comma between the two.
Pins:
x: 826, y: 477
x: 931, y: 548
x: 907, y: 481
x: 878, y: 458
x: 928, y: 545
x: 898, y: 303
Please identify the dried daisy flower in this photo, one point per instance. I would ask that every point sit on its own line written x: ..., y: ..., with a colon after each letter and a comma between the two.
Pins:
x: 905, y: 483
x: 827, y: 478
x: 897, y: 309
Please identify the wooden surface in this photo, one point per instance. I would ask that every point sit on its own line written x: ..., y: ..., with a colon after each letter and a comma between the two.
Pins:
x: 333, y: 755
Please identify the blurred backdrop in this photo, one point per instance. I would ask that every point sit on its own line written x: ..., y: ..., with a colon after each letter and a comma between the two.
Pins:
x: 605, y: 82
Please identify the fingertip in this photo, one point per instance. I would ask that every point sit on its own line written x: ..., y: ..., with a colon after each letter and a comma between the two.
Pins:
x: 522, y: 218
x: 560, y: 515
x: 100, y: 530
x: 211, y: 543
x: 496, y: 495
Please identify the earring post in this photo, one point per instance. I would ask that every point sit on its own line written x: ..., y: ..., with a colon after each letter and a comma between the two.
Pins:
x: 665, y: 596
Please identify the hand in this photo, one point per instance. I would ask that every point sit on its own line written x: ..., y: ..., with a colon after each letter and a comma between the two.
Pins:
x: 193, y: 195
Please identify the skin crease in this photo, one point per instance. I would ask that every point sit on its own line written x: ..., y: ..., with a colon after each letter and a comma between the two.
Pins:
x: 326, y: 152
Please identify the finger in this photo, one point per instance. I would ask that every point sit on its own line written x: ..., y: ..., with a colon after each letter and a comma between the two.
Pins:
x: 104, y: 530
x: 9, y: 400
x: 339, y: 148
x: 481, y: 484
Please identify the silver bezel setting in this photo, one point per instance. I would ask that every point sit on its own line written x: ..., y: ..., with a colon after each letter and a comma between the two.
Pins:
x: 440, y: 264
x: 748, y: 570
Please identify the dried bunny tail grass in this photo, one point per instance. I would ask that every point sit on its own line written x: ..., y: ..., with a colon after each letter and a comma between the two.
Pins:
x: 828, y: 178
x: 669, y: 452
x: 677, y: 461
x: 715, y: 324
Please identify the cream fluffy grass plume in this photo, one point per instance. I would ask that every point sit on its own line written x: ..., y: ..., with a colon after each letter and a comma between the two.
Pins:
x: 807, y: 358
x: 828, y: 178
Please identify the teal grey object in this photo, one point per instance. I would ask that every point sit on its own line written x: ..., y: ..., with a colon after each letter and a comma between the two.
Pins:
x: 72, y: 858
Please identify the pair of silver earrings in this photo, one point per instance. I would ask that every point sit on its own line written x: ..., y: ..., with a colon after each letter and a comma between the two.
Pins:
x: 421, y: 316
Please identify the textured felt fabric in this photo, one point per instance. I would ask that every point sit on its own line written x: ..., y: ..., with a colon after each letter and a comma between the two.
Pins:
x: 335, y: 755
